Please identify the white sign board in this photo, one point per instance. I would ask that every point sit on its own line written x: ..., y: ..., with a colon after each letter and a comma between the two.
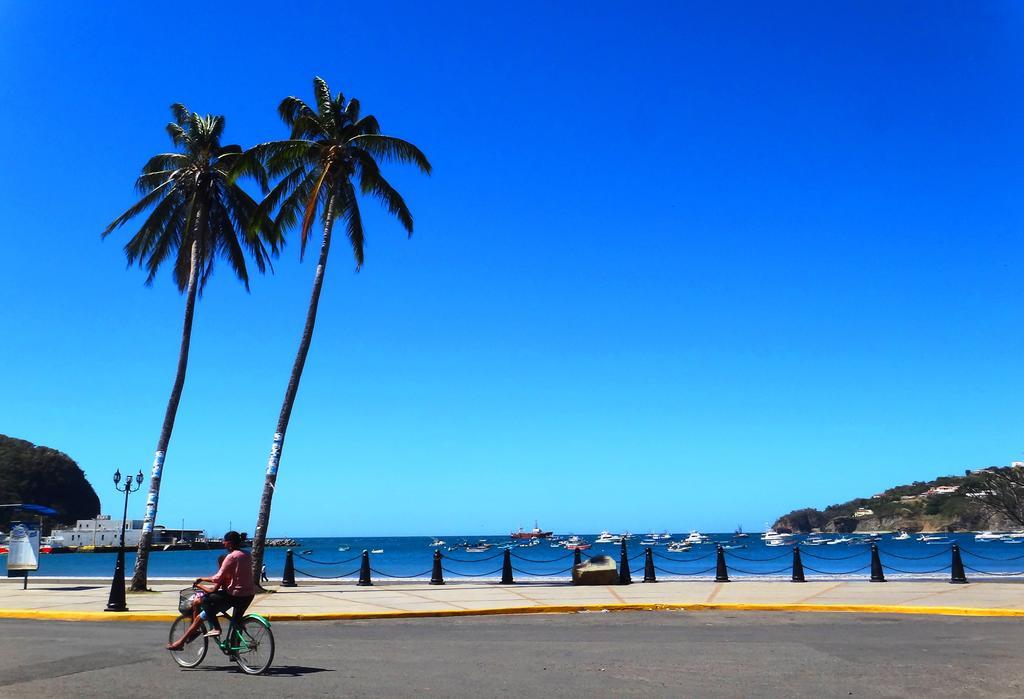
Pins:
x: 23, y: 548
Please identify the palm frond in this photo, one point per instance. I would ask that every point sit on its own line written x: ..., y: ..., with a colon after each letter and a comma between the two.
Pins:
x: 354, y: 225
x: 180, y: 113
x: 367, y: 126
x: 392, y: 149
x: 140, y: 206
x: 371, y: 182
x: 322, y: 93
x: 310, y: 214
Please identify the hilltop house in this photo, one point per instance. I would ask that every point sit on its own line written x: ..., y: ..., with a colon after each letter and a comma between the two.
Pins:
x: 941, y: 490
x: 863, y: 512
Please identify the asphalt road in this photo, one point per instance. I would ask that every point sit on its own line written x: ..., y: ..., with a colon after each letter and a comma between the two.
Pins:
x: 651, y: 654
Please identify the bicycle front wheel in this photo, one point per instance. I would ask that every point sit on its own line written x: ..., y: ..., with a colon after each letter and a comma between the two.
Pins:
x: 255, y: 646
x: 195, y: 647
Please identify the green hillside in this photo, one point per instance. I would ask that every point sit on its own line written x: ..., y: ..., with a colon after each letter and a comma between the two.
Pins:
x: 908, y: 507
x: 43, y: 476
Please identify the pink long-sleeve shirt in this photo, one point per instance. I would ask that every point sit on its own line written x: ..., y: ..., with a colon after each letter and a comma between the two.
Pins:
x: 235, y: 574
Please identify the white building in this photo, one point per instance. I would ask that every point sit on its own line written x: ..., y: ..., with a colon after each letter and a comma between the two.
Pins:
x: 101, y: 531
x: 863, y: 512
x: 104, y: 531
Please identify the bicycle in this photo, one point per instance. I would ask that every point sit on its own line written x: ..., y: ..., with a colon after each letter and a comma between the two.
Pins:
x: 250, y: 643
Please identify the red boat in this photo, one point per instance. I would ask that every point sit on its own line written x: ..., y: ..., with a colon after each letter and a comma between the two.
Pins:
x: 535, y: 533
x: 577, y: 547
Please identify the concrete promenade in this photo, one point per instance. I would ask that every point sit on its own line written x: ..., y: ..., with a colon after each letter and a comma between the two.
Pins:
x: 84, y: 600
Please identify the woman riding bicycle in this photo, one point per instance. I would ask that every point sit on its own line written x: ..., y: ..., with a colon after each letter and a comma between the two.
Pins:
x: 233, y: 589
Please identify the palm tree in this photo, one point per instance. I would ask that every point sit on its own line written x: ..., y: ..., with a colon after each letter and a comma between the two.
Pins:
x: 198, y: 213
x: 329, y: 147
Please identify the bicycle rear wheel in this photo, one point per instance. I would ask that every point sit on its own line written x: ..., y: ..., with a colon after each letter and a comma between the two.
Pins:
x: 195, y: 648
x: 256, y: 642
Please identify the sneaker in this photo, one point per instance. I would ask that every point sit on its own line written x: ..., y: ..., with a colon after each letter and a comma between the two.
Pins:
x: 212, y: 633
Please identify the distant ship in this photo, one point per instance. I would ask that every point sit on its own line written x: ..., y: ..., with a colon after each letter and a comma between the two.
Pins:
x: 534, y: 533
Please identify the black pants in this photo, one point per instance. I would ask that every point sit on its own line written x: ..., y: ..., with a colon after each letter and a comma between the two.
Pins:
x: 220, y: 601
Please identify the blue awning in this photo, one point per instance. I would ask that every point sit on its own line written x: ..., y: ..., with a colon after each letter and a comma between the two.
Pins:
x: 38, y: 509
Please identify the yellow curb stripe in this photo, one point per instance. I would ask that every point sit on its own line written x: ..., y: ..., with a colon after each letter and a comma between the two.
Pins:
x: 548, y: 609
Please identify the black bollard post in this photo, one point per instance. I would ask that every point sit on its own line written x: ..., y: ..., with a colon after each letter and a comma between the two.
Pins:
x: 876, y: 565
x: 956, y: 573
x: 721, y: 572
x: 649, y: 567
x: 437, y: 577
x: 364, y: 570
x: 577, y: 557
x: 506, y: 569
x: 288, y: 579
x: 625, y: 578
x: 798, y: 566
x: 116, y: 600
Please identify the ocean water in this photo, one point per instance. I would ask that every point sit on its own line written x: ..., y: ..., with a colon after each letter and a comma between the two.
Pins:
x: 411, y: 558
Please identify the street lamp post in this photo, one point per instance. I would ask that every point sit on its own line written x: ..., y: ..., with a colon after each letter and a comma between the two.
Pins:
x: 116, y: 601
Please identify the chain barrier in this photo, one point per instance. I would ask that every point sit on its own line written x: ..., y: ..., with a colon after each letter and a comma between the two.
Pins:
x: 472, y: 560
x: 673, y: 572
x: 888, y: 567
x: 709, y: 554
x: 541, y: 575
x: 327, y: 563
x: 986, y: 572
x: 805, y: 552
x: 470, y: 575
x: 831, y: 572
x: 990, y: 558
x: 758, y: 560
x: 403, y: 577
x: 767, y: 572
x: 328, y: 577
x: 542, y: 560
x: 944, y: 552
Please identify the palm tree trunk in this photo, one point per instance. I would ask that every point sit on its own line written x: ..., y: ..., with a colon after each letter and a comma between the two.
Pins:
x: 263, y: 519
x: 139, y: 581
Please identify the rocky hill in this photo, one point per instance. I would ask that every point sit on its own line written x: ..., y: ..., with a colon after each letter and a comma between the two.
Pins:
x: 918, y: 507
x: 43, y: 476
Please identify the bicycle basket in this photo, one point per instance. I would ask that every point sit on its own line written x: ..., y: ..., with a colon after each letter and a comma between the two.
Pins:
x: 185, y: 599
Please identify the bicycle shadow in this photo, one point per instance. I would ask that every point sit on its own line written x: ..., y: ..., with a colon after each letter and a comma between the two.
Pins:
x: 274, y: 671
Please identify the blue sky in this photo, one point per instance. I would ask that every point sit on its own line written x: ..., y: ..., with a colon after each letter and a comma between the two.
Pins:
x: 682, y: 265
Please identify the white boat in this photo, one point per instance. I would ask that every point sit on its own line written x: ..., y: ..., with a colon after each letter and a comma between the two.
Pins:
x: 930, y: 537
x: 840, y: 540
x: 695, y: 537
x: 607, y: 537
x: 679, y: 547
x: 772, y: 535
x: 436, y: 542
x: 989, y: 536
x: 376, y: 550
x: 900, y: 536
